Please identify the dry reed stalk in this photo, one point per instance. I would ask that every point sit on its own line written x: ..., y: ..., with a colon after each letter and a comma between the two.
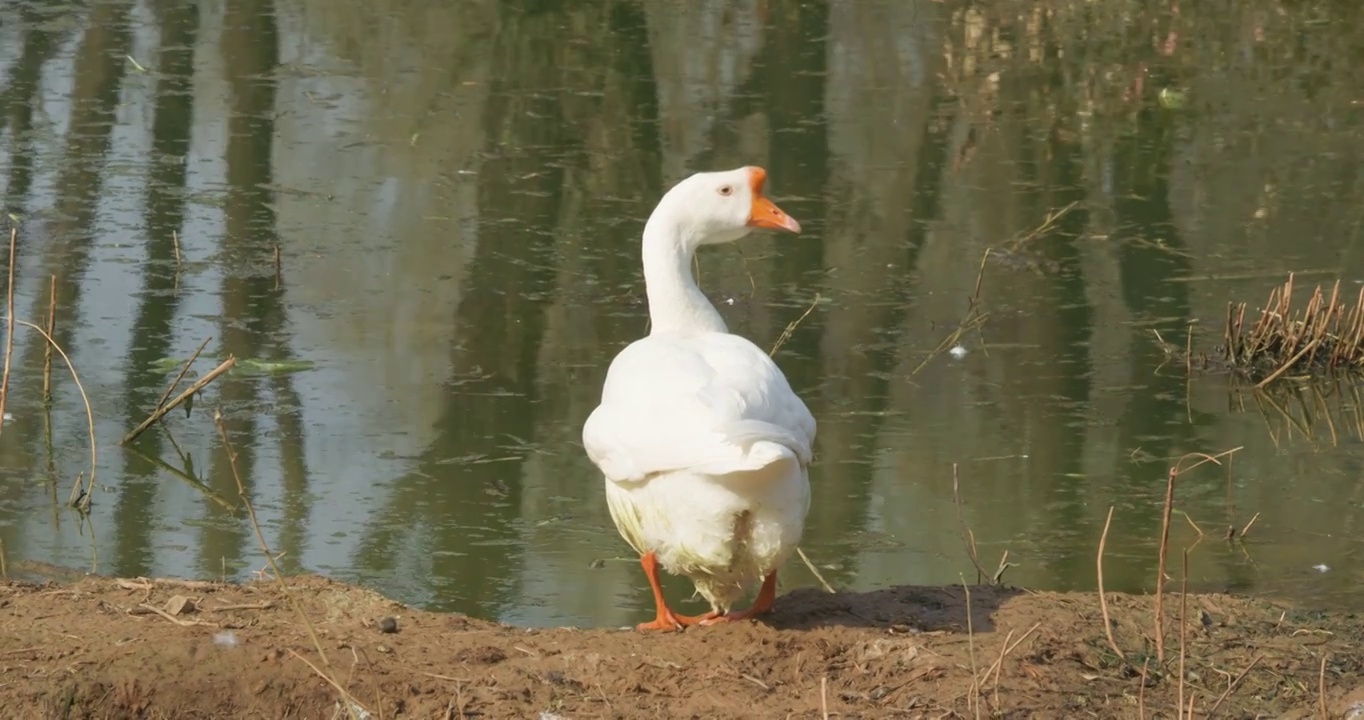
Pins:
x: 791, y: 326
x: 1103, y: 600
x: 51, y: 331
x: 973, y: 320
x: 4, y: 565
x: 1175, y: 470
x: 1160, y: 570
x: 9, y: 321
x: 231, y: 452
x: 823, y: 583
x: 1327, y: 331
x: 781, y: 340
x: 183, y: 369
x: 161, y: 411
x: 1183, y: 627
x: 968, y: 538
x: 973, y: 696
x: 175, y: 245
x: 279, y: 267
x: 82, y: 502
x: 824, y: 696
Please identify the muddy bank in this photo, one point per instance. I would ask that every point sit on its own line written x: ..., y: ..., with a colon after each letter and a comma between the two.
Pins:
x: 115, y: 648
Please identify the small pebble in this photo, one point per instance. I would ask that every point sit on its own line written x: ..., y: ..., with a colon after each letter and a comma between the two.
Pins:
x: 388, y: 624
x: 957, y: 352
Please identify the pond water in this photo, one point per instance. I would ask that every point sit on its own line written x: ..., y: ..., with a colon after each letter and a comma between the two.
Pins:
x: 416, y: 226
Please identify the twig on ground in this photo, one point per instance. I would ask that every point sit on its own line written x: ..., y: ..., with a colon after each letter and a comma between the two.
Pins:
x: 346, y: 697
x: 999, y: 663
x: 182, y: 623
x: 1141, y: 690
x: 161, y: 411
x: 824, y: 696
x: 1231, y: 687
x: 997, y: 667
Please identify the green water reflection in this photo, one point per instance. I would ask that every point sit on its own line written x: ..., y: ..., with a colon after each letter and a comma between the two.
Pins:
x: 456, y: 192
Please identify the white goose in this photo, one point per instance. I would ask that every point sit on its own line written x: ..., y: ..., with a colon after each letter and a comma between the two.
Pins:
x: 703, y: 444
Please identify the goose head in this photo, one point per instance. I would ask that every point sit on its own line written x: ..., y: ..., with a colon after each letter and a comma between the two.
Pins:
x: 710, y: 208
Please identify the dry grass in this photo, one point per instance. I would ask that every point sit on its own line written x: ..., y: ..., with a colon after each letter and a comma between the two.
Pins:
x: 1186, y: 669
x: 1323, y: 338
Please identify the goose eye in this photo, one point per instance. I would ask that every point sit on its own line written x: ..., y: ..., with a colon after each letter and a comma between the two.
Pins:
x: 726, y: 190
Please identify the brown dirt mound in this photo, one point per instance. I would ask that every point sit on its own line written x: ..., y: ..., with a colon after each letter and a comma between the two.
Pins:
x: 115, y: 648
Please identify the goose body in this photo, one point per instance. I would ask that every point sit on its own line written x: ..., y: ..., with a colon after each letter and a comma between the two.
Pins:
x: 702, y: 442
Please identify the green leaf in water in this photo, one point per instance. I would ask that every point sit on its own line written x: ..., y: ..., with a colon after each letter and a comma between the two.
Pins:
x: 275, y: 367
x: 1173, y: 99
x: 166, y: 364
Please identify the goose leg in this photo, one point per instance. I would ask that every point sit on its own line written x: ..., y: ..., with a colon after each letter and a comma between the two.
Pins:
x: 767, y: 596
x: 666, y: 619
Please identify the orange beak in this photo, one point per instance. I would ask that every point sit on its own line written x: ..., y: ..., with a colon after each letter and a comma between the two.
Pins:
x: 765, y: 213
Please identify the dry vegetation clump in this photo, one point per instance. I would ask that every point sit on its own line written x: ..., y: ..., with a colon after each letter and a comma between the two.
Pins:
x: 1324, y: 338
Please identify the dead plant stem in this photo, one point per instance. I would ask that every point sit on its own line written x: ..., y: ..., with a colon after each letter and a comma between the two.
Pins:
x: 1160, y: 568
x: 51, y: 331
x: 1231, y: 686
x: 973, y: 697
x: 279, y: 575
x: 1103, y: 600
x: 1321, y: 689
x: 9, y: 321
x: 180, y: 376
x: 967, y: 537
x: 161, y: 411
x: 83, y: 502
x: 1183, y: 625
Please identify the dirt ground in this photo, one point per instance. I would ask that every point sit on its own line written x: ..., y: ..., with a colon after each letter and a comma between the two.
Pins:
x: 133, y: 648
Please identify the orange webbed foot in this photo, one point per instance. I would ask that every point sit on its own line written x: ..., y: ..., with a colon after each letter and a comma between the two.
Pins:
x: 669, y: 620
x: 665, y: 618
x: 767, y: 596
